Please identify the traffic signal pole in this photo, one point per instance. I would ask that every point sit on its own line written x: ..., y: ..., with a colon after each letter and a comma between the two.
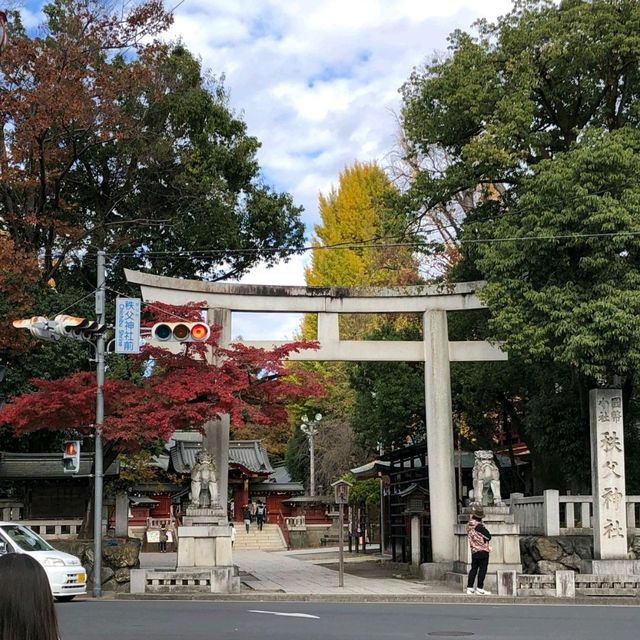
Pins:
x: 98, y: 470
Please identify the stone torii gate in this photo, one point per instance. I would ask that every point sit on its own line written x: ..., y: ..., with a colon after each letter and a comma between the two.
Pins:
x: 435, y: 350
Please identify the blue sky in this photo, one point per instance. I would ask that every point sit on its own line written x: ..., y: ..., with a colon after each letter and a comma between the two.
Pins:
x: 317, y: 83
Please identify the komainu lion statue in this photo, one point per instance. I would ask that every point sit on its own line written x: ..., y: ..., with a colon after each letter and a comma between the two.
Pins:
x: 486, y: 476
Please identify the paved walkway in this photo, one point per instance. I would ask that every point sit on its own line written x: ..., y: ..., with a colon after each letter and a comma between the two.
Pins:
x: 297, y: 575
x: 297, y: 572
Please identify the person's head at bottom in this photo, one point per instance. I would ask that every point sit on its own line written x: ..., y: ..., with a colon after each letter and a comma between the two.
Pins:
x: 26, y: 603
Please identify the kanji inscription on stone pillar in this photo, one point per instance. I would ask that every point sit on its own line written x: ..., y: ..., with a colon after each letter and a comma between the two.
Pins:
x: 607, y: 474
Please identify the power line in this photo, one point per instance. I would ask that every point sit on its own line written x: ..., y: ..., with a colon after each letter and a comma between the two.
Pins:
x: 369, y: 245
x: 380, y: 242
x: 73, y: 304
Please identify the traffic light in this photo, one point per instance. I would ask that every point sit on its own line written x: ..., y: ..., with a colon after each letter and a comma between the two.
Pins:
x: 77, y: 328
x: 40, y: 327
x: 62, y: 326
x: 71, y: 456
x: 180, y: 332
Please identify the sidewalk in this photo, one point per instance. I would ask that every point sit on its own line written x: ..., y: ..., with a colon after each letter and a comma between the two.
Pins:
x: 297, y: 576
x: 298, y: 573
x: 284, y: 572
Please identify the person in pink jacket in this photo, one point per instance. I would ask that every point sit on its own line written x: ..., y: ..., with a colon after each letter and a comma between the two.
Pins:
x: 479, y: 537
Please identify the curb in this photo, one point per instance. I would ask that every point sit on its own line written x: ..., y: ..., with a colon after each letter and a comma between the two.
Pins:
x: 383, y: 598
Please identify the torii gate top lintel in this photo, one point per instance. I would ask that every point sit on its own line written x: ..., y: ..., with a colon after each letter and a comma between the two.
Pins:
x: 295, y: 299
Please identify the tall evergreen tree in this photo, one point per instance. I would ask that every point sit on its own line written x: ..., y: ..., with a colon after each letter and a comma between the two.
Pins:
x: 538, y: 116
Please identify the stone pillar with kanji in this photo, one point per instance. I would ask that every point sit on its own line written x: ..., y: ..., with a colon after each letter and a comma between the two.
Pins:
x: 607, y: 475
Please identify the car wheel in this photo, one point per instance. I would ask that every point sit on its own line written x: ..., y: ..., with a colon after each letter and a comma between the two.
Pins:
x: 64, y: 598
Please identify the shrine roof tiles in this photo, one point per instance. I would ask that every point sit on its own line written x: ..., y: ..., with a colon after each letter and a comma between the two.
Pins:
x: 249, y: 454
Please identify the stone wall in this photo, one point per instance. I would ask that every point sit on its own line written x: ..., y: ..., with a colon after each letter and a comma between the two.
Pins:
x: 546, y: 555
x: 311, y: 538
x: 119, y: 556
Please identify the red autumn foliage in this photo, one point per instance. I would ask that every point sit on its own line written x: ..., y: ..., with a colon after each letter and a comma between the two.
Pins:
x: 179, y: 391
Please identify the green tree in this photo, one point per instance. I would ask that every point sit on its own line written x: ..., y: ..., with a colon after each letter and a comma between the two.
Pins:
x: 389, y: 396
x: 519, y: 92
x: 571, y: 294
x: 138, y: 153
x: 537, y: 117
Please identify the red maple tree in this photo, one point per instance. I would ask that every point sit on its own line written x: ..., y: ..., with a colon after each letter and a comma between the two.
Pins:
x: 62, y: 98
x: 167, y: 391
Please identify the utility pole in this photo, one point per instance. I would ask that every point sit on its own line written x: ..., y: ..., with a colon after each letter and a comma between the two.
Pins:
x: 311, y: 431
x: 99, y: 472
x: 381, y: 481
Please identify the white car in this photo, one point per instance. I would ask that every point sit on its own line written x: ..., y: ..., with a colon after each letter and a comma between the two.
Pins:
x: 67, y: 576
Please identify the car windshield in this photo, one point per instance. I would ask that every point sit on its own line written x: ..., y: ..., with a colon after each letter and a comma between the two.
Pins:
x: 26, y: 539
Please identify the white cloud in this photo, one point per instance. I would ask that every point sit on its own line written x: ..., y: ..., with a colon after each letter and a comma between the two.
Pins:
x: 318, y: 83
x: 265, y: 326
x: 290, y: 273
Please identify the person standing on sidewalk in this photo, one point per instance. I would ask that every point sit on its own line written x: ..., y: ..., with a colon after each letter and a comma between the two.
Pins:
x: 170, y: 539
x: 163, y: 538
x: 479, y: 537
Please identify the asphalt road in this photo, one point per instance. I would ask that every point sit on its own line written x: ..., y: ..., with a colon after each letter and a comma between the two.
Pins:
x: 178, y: 620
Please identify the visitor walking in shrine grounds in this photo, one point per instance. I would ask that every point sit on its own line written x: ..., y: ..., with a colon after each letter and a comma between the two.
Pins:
x: 26, y: 603
x: 261, y: 514
x: 479, y: 537
x: 246, y: 516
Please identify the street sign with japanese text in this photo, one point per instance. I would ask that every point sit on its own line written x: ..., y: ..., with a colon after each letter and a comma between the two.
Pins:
x: 127, y: 325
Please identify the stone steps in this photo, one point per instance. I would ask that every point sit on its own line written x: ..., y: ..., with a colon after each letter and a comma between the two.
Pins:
x: 269, y: 539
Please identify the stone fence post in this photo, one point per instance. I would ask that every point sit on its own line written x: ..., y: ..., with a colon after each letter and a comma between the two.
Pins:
x: 507, y: 583
x: 514, y: 496
x: 565, y: 584
x: 551, y: 512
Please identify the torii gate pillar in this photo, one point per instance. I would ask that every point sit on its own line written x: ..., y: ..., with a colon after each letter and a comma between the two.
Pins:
x: 216, y: 438
x: 442, y: 490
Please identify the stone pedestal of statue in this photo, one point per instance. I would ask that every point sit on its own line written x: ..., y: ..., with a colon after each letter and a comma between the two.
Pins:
x: 205, y: 560
x: 204, y: 546
x: 204, y: 539
x: 204, y: 516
